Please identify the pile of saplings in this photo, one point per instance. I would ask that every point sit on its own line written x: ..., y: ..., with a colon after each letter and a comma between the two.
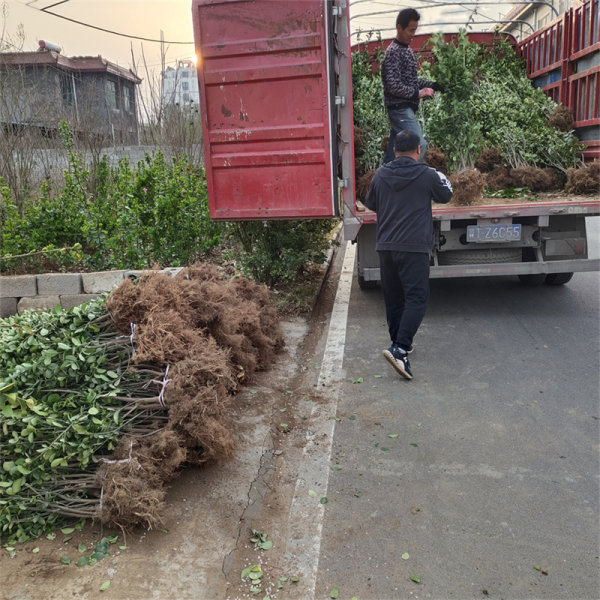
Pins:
x: 101, y: 405
x: 490, y: 129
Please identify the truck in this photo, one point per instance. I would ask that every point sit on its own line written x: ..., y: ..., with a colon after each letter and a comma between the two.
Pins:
x: 276, y: 104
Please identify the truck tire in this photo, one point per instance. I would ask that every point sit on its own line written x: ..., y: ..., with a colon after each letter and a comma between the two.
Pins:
x: 532, y: 279
x: 558, y: 278
x: 363, y: 284
x: 480, y: 257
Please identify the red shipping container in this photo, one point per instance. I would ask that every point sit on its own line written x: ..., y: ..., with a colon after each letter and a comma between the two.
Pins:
x: 267, y: 96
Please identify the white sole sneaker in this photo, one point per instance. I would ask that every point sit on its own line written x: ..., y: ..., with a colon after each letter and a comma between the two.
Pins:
x: 397, y: 364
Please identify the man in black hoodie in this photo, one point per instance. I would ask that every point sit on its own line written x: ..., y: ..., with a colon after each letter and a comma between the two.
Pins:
x: 401, y: 193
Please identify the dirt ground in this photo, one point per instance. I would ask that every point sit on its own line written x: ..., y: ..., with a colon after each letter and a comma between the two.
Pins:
x: 204, y: 542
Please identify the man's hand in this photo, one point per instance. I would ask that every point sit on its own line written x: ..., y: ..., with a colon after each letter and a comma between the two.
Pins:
x: 426, y: 92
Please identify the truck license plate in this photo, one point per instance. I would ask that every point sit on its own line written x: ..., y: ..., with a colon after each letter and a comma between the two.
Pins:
x: 484, y: 234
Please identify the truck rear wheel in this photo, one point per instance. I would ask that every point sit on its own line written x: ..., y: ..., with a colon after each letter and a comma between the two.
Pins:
x: 363, y: 284
x: 558, y: 278
x: 535, y: 279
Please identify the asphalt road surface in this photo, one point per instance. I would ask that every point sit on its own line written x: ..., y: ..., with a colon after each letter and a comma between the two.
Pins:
x: 479, y: 478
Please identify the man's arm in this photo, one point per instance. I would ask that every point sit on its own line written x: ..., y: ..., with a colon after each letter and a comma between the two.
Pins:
x: 441, y: 190
x: 371, y: 198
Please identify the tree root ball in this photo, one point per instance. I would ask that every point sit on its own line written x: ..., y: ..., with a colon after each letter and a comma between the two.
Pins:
x: 213, y: 333
x: 561, y: 118
x: 362, y: 187
x: 537, y: 180
x: 498, y: 178
x: 489, y: 160
x: 436, y: 159
x: 468, y: 186
x: 584, y: 180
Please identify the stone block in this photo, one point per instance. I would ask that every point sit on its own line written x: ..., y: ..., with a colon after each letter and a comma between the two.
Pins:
x: 103, y: 281
x: 37, y: 303
x: 56, y: 284
x: 71, y: 300
x: 18, y: 286
x: 8, y: 307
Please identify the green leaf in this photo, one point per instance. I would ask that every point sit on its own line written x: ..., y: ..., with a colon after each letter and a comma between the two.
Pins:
x: 335, y: 468
x: 65, y: 560
x: 105, y: 585
x: 358, y: 380
x: 81, y: 547
x: 254, y: 576
x: 415, y: 578
x: 334, y: 593
x: 323, y: 500
x: 294, y: 579
x: 252, y: 569
x: 67, y: 530
x: 266, y: 545
x: 393, y: 435
x: 415, y: 445
x: 312, y: 493
x: 405, y: 556
x: 93, y: 411
x: 82, y: 562
x: 35, y: 550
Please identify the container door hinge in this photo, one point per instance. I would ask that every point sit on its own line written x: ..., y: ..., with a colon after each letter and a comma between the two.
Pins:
x: 343, y: 183
x: 338, y: 11
x: 340, y: 100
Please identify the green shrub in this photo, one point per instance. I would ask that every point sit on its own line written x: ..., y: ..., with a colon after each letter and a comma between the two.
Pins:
x: 154, y: 213
x: 489, y: 101
x: 370, y: 114
x: 279, y: 252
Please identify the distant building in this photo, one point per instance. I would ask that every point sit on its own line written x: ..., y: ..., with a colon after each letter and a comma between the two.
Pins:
x: 527, y: 17
x: 180, y: 85
x: 95, y: 96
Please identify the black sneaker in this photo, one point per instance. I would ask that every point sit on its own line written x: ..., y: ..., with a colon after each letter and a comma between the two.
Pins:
x: 399, y: 361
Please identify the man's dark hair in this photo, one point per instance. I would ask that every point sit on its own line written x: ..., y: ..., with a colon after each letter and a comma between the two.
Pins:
x: 406, y: 141
x: 405, y: 16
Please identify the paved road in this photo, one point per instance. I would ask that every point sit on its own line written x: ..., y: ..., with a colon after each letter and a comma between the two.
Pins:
x: 480, y: 476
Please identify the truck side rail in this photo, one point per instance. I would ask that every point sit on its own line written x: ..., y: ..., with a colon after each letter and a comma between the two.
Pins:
x: 562, y: 59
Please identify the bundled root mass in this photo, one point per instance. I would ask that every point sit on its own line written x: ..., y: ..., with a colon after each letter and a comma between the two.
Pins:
x: 122, y: 394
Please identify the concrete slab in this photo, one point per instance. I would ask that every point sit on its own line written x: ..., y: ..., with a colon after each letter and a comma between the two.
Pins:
x: 38, y: 303
x: 18, y: 286
x: 50, y: 284
x: 103, y: 281
x: 8, y: 307
x: 69, y: 301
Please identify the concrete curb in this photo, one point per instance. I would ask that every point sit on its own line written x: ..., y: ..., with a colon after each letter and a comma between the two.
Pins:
x: 19, y: 293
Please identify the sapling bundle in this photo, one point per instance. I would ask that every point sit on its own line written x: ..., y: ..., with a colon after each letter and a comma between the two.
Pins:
x: 101, y: 405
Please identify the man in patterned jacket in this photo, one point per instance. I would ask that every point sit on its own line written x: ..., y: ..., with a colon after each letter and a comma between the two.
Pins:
x: 402, y: 89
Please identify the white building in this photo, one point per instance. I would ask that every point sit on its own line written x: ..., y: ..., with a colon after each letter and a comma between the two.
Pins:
x: 180, y: 85
x: 527, y: 17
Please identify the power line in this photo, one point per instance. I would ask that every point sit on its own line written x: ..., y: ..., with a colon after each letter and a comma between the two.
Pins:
x: 110, y: 31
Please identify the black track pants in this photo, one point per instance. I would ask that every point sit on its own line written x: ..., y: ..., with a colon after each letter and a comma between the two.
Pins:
x: 405, y: 283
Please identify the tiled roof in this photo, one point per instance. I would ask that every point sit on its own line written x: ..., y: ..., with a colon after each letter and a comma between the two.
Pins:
x: 77, y: 64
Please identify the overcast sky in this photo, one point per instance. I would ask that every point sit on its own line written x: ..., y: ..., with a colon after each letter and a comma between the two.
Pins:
x: 148, y: 18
